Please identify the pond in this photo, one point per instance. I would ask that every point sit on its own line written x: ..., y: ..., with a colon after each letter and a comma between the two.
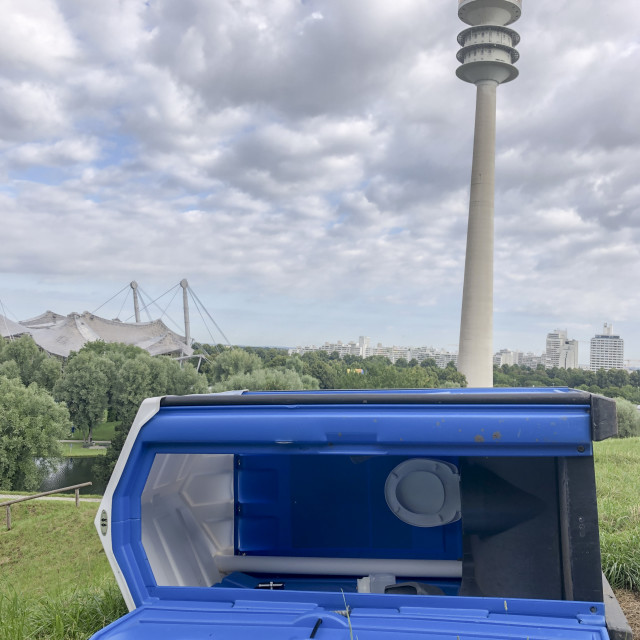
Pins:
x: 74, y: 471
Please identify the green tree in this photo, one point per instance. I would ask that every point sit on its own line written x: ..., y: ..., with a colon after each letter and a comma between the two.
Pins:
x: 628, y: 419
x: 318, y: 366
x: 184, y: 380
x: 27, y: 355
x: 49, y: 372
x: 84, y: 388
x: 140, y: 376
x: 268, y: 380
x: 232, y: 362
x: 132, y: 386
x: 31, y: 423
x: 10, y: 369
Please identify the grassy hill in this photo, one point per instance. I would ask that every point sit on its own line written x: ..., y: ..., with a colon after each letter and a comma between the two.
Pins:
x: 55, y: 581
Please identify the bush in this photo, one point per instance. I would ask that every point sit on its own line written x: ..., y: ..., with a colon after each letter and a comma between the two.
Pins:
x: 628, y: 419
x: 268, y: 380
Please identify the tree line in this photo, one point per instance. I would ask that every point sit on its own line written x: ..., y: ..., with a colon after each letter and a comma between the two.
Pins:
x: 42, y: 396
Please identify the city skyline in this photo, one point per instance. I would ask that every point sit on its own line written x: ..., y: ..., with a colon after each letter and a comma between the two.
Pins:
x: 305, y: 166
x: 560, y: 351
x: 202, y: 332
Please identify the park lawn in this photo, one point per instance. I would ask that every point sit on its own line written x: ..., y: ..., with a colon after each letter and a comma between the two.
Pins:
x: 76, y: 450
x: 103, y: 431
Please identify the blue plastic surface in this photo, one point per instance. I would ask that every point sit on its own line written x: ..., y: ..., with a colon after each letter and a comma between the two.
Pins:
x: 350, y: 517
x: 269, y: 617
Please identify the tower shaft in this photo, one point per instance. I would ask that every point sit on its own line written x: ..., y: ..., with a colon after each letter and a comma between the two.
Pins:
x: 487, y: 56
x: 475, y: 357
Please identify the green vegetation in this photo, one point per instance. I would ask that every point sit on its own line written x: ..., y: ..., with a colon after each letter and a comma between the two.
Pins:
x: 31, y: 424
x: 52, y: 546
x: 618, y: 480
x: 615, y: 383
x: 77, y: 450
x: 73, y: 615
x: 55, y: 581
x: 84, y: 388
x: 99, y: 389
x: 22, y: 358
x: 103, y: 431
x: 628, y: 419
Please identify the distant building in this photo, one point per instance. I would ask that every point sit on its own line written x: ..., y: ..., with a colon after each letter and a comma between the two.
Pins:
x: 569, y: 355
x: 506, y: 356
x: 364, y: 349
x: 532, y: 360
x: 561, y: 352
x: 555, y: 341
x: 607, y: 350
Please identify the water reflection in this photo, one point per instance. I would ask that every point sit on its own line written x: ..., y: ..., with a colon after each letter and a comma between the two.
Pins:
x: 73, y: 471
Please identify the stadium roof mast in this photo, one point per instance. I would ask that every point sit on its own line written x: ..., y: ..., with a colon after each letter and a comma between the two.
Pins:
x: 136, y: 305
x: 185, y: 303
x: 487, y: 55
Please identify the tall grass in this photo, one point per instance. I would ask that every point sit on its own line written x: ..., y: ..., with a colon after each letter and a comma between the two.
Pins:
x: 74, y: 615
x: 618, y: 481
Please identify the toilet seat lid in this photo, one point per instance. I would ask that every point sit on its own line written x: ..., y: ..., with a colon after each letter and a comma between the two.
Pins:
x: 424, y: 492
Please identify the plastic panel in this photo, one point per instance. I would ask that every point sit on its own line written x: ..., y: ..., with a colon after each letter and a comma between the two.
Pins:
x: 329, y: 505
x: 268, y: 616
x: 187, y: 517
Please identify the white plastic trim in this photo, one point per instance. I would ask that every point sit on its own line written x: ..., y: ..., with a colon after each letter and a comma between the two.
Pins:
x: 147, y: 410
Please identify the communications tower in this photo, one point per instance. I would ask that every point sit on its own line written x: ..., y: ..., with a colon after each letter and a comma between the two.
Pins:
x: 487, y: 56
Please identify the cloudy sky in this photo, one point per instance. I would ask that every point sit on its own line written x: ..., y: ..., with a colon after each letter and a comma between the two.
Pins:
x: 305, y: 164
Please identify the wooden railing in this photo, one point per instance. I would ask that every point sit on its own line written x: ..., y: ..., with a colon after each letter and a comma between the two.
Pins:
x: 8, y: 504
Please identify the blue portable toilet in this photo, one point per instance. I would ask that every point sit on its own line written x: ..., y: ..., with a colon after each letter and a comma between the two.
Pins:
x: 380, y: 514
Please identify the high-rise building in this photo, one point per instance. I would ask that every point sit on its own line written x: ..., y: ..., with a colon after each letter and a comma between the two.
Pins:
x: 607, y: 350
x: 555, y: 341
x: 487, y: 56
x: 569, y: 355
x: 561, y: 352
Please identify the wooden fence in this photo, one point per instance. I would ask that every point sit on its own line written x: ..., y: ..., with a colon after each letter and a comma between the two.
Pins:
x: 8, y: 504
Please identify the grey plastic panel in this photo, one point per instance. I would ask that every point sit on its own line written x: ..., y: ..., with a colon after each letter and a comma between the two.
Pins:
x: 187, y: 517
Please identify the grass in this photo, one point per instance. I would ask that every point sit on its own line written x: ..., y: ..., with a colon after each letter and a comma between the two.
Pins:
x: 52, y: 546
x: 74, y: 615
x: 55, y: 581
x: 103, y: 431
x: 76, y: 450
x: 618, y: 480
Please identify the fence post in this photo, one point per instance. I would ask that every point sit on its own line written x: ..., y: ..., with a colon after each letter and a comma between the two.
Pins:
x: 8, y: 517
x: 77, y: 497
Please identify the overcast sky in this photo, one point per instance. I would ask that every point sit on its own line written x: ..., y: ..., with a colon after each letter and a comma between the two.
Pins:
x: 305, y: 164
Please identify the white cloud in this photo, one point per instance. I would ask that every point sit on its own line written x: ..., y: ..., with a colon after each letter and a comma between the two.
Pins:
x: 313, y: 158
